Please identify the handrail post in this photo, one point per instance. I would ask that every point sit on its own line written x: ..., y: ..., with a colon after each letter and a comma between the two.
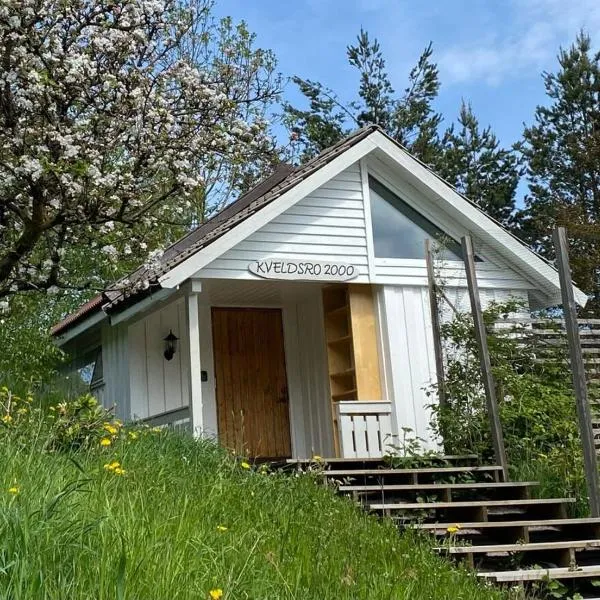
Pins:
x: 435, y: 322
x: 484, y: 356
x: 578, y: 370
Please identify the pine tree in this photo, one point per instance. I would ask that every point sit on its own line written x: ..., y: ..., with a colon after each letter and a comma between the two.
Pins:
x: 408, y: 118
x: 469, y: 158
x: 562, y: 150
x: 475, y: 164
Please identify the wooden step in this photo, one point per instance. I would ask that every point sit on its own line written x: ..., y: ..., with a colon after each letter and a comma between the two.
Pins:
x: 474, y: 510
x: 530, y: 547
x: 371, y: 462
x: 443, y: 527
x: 400, y: 471
x: 447, y: 492
x: 515, y: 531
x: 524, y: 575
x: 437, y: 486
x: 558, y: 554
x: 468, y: 504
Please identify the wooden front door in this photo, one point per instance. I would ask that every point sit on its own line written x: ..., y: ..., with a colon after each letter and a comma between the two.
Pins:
x: 251, y: 382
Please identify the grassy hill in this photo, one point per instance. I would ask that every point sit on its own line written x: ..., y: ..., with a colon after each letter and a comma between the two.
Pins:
x: 150, y: 515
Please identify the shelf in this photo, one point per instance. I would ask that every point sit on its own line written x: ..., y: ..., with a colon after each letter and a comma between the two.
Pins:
x: 335, y: 312
x: 342, y: 374
x: 343, y: 340
x: 344, y: 395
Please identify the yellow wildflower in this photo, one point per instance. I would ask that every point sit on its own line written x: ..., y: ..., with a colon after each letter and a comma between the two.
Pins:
x: 453, y: 528
x: 105, y: 441
x: 112, y: 466
x: 6, y: 419
x: 132, y: 435
x: 221, y: 528
x: 111, y: 429
x: 14, y: 490
x: 317, y: 458
x: 245, y: 465
x: 119, y: 471
x: 216, y: 594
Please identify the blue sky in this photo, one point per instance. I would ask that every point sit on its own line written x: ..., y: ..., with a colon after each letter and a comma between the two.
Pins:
x: 490, y: 52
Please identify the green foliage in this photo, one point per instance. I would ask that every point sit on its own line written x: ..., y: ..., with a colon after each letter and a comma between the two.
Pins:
x: 162, y: 516
x: 408, y: 117
x: 478, y: 167
x: 562, y: 152
x: 468, y: 157
x: 537, y: 409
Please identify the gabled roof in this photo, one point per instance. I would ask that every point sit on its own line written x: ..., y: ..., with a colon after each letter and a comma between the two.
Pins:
x: 144, y: 280
x: 171, y: 269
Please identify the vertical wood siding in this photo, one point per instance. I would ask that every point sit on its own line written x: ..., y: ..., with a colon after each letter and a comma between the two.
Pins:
x: 328, y: 224
x: 158, y: 385
x: 308, y: 379
x: 406, y: 337
x: 115, y: 358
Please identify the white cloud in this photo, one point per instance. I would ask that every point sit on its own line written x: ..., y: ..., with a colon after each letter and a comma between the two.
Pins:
x: 533, y: 30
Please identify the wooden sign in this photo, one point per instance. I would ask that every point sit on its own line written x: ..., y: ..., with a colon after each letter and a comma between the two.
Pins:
x: 302, y: 270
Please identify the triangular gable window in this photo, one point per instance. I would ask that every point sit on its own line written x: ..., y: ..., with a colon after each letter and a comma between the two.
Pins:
x: 399, y: 231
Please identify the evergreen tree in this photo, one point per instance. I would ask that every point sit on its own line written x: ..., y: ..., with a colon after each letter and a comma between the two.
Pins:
x: 562, y: 150
x: 469, y: 158
x: 408, y: 118
x: 475, y: 164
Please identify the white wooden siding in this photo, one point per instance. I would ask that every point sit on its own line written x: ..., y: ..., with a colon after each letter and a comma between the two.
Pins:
x: 308, y: 379
x: 158, y: 385
x: 408, y: 352
x: 407, y: 348
x: 328, y: 224
x: 115, y: 359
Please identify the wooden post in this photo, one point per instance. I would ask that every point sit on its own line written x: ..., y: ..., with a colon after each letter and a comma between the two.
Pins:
x: 435, y: 322
x: 194, y: 360
x: 578, y: 370
x: 484, y: 356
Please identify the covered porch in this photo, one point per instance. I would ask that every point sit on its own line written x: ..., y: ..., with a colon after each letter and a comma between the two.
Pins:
x: 272, y: 369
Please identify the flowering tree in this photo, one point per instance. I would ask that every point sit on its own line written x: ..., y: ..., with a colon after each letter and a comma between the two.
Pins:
x: 116, y: 118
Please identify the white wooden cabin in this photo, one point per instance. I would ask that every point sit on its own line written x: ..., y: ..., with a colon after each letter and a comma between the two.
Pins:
x: 301, y: 310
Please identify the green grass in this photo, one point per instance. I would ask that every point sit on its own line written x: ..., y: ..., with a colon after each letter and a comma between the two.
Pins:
x: 77, y: 531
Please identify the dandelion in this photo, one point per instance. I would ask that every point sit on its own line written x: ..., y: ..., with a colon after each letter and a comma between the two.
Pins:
x: 14, y: 490
x: 222, y: 528
x: 105, y: 441
x: 245, y: 465
x: 453, y: 528
x: 6, y: 419
x: 111, y: 429
x: 317, y: 458
x: 216, y: 594
x: 115, y: 464
x: 119, y: 471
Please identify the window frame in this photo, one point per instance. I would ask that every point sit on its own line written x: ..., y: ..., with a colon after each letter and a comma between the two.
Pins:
x: 414, y: 216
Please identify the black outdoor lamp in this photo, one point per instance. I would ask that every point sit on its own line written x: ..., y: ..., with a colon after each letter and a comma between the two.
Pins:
x: 170, y: 345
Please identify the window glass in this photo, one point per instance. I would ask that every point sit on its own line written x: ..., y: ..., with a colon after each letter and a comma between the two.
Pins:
x: 399, y: 231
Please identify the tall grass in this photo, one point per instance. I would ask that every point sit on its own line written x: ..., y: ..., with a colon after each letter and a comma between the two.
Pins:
x: 186, y: 518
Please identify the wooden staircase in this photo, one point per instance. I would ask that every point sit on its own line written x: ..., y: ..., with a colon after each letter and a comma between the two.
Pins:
x: 495, y: 527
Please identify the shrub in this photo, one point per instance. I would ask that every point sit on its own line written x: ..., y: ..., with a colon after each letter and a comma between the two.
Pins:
x: 537, y: 409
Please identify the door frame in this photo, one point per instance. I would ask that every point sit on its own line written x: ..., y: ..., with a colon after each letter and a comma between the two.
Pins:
x: 285, y: 325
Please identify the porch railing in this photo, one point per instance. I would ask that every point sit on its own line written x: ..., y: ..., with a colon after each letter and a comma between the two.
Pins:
x: 365, y: 428
x: 177, y: 419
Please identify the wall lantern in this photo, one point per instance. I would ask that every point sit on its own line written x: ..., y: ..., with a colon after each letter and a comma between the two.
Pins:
x: 170, y: 345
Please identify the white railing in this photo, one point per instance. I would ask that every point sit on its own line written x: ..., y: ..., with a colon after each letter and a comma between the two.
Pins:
x: 177, y: 419
x: 365, y: 428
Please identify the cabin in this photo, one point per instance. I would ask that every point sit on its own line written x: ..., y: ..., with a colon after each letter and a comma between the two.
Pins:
x: 296, y: 322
